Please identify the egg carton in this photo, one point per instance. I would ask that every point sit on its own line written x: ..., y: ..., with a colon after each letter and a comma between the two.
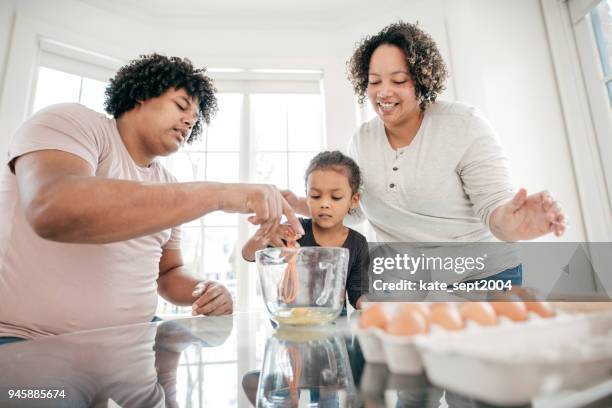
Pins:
x: 512, y: 364
x: 400, y: 353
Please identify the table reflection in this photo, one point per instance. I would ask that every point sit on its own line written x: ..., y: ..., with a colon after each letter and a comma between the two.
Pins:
x: 134, y: 366
x: 304, y: 367
x: 201, y: 361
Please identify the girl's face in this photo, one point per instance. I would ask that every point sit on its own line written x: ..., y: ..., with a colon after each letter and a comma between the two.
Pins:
x: 329, y: 197
x: 390, y: 88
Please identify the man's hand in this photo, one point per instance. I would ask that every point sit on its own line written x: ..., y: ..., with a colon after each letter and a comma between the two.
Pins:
x: 266, y: 201
x: 528, y: 217
x: 213, y: 299
x: 284, y: 232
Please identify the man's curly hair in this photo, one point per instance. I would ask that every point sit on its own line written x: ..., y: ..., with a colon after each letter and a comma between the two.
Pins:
x: 425, y: 64
x: 150, y: 76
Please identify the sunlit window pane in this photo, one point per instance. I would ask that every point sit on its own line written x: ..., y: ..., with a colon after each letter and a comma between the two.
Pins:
x: 54, y: 87
x: 269, y: 122
x: 601, y: 19
x: 92, y: 94
x: 191, y: 374
x: 187, y: 166
x: 271, y: 168
x: 219, y: 252
x: 209, y: 253
x: 297, y: 169
x: 224, y: 132
x: 602, y: 25
x: 304, y: 122
x: 192, y: 248
x: 225, y: 391
x: 222, y: 167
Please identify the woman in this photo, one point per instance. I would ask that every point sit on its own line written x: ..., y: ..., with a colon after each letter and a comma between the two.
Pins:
x: 434, y: 171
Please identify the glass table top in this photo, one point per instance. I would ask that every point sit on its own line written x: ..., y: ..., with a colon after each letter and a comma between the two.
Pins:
x: 230, y: 361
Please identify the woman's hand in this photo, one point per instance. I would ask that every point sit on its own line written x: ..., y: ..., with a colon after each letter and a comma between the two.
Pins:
x: 528, y: 217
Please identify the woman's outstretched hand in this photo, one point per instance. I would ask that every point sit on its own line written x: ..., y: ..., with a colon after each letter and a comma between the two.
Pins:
x: 528, y: 217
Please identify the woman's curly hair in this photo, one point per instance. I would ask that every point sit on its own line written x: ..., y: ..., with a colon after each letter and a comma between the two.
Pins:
x: 425, y: 64
x: 150, y: 76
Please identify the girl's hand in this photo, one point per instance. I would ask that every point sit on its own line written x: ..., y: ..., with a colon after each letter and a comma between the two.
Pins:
x: 528, y: 217
x: 279, y: 238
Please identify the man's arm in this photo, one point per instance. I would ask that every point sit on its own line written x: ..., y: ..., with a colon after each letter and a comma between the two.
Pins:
x: 178, y: 286
x: 64, y: 201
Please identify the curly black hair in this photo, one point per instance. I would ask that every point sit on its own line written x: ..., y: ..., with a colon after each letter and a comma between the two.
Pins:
x: 426, y: 66
x: 335, y: 160
x: 150, y: 76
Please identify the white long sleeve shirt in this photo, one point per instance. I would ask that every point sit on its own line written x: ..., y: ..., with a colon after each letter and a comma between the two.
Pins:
x: 442, y: 187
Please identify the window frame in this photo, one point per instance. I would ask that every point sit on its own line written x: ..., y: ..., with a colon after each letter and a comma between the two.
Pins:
x: 595, y: 84
x: 583, y: 128
x: 247, y: 83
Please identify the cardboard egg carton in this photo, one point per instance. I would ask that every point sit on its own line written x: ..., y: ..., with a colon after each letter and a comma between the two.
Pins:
x: 492, y: 375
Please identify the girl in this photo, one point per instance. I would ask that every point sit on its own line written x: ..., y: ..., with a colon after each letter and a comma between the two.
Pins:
x: 332, y: 184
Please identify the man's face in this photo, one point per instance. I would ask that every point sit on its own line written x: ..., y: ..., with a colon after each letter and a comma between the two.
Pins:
x: 165, y: 122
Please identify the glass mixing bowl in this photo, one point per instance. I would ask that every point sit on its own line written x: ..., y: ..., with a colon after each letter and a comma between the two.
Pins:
x: 303, y: 286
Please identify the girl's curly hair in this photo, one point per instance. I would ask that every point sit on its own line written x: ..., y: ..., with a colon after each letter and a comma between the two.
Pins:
x: 425, y: 64
x: 150, y: 76
x: 335, y: 160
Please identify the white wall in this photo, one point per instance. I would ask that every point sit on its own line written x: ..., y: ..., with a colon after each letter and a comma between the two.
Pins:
x: 503, y: 65
x: 7, y: 15
x: 496, y: 50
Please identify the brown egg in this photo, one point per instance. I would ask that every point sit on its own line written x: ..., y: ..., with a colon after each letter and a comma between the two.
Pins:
x: 515, y: 311
x: 544, y: 309
x: 440, y: 304
x: 446, y: 316
x: 480, y: 312
x: 373, y: 316
x: 408, y: 322
x: 418, y: 307
x: 525, y: 294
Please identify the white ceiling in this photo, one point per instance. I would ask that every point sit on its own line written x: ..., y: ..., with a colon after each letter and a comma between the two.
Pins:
x: 322, y: 14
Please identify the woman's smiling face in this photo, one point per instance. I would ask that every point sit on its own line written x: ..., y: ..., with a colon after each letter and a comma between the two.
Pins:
x: 390, y: 87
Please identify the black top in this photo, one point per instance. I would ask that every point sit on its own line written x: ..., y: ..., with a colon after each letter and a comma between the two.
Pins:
x: 359, y: 258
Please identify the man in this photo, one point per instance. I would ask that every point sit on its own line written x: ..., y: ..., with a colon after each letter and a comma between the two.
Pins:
x: 88, y: 216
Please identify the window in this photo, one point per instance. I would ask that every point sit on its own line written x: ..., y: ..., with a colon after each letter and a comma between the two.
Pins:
x: 54, y: 86
x: 601, y: 20
x: 257, y: 136
x: 592, y: 26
